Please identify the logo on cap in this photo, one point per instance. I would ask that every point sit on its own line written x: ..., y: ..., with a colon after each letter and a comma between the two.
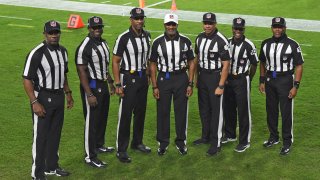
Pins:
x: 208, y: 16
x: 171, y: 16
x: 53, y: 24
x: 277, y: 20
x: 239, y: 21
x: 138, y: 11
x: 96, y: 20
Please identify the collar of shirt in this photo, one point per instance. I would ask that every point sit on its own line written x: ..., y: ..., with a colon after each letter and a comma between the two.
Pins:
x: 283, y: 36
x: 52, y: 48
x: 176, y: 38
x: 96, y: 41
x: 212, y: 35
x: 237, y: 42
x: 134, y: 33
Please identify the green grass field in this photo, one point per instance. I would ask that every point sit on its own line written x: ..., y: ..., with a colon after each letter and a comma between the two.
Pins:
x: 19, y: 36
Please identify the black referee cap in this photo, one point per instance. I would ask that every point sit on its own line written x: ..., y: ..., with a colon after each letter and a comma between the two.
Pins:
x: 95, y: 21
x: 209, y: 17
x: 278, y: 21
x: 238, y: 23
x: 51, y: 25
x: 137, y: 12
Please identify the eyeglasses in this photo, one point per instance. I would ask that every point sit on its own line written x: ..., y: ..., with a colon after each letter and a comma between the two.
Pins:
x: 239, y: 29
x: 138, y: 18
x: 53, y: 32
x: 97, y: 27
x: 171, y: 24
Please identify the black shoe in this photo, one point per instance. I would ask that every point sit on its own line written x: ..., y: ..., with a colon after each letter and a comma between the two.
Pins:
x: 225, y: 140
x: 270, y: 143
x: 123, y: 157
x: 241, y: 147
x: 105, y: 149
x: 142, y: 148
x: 213, y: 150
x: 284, y: 150
x: 162, y: 151
x: 95, y: 162
x: 183, y: 150
x: 58, y: 172
x: 200, y: 141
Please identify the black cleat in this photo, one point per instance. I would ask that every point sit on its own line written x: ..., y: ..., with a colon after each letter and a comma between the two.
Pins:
x: 241, y: 148
x: 123, y: 157
x: 182, y: 150
x: 162, y: 151
x: 213, y: 150
x: 270, y: 143
x: 142, y: 148
x: 200, y: 141
x: 96, y: 163
x: 284, y: 150
x: 58, y: 172
x: 225, y: 140
x: 105, y: 149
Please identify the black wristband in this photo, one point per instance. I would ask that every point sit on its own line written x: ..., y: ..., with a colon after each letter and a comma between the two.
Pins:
x: 221, y: 86
x: 118, y: 85
x: 296, y: 84
x: 191, y: 84
x: 262, y: 79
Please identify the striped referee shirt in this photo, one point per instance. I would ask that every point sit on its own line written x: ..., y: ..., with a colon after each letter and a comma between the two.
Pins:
x: 171, y: 54
x: 133, y: 49
x: 46, y: 66
x: 280, y: 55
x: 96, y: 55
x: 243, y: 54
x: 211, y: 50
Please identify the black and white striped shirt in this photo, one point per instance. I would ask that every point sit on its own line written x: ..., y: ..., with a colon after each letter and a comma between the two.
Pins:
x: 171, y: 54
x: 46, y: 66
x: 133, y: 49
x: 243, y: 54
x: 280, y: 55
x: 211, y: 50
x: 96, y: 55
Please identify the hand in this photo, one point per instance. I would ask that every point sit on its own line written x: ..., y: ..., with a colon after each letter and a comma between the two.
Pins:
x: 218, y: 91
x: 156, y: 93
x: 38, y: 109
x: 189, y: 91
x: 92, y: 100
x: 292, y: 93
x: 69, y: 101
x: 262, y: 88
x: 112, y: 89
x: 119, y: 91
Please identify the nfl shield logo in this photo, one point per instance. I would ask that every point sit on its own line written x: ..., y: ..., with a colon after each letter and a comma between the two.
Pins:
x: 53, y: 24
x: 277, y: 19
x: 96, y: 20
x: 241, y: 61
x: 209, y: 16
x: 171, y: 16
x: 239, y: 21
x: 138, y: 11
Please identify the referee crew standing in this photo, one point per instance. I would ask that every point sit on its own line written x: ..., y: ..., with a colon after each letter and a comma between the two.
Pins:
x: 92, y: 59
x: 280, y: 56
x: 129, y: 64
x: 45, y: 82
x: 213, y: 59
x: 244, y: 61
x: 172, y: 53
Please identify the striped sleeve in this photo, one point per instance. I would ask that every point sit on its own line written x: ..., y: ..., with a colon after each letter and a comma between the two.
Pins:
x: 33, y: 60
x: 82, y: 56
x: 120, y: 45
x: 224, y: 49
x: 252, y: 52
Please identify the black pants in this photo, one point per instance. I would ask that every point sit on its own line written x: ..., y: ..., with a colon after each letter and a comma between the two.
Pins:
x: 47, y: 133
x: 95, y: 118
x: 210, y: 107
x: 277, y: 91
x: 237, y: 103
x: 134, y: 102
x: 176, y: 87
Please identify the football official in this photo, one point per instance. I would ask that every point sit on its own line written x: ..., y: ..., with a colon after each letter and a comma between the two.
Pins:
x: 243, y: 67
x: 280, y: 75
x: 46, y: 84
x: 213, y: 59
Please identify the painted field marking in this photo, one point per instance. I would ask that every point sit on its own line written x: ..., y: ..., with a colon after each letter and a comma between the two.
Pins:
x: 155, y: 4
x: 127, y: 3
x: 12, y: 17
x: 103, y: 2
x: 20, y: 25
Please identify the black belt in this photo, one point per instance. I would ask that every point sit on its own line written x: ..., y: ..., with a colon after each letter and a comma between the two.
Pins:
x: 132, y: 72
x: 270, y: 73
x: 209, y: 71
x: 174, y: 72
x: 53, y: 91
x: 238, y: 76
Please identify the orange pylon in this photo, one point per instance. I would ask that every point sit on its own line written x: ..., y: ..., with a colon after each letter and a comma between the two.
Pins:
x: 141, y: 3
x: 174, y: 5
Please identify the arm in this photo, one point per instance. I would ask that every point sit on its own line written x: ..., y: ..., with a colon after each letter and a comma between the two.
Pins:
x: 191, y: 64
x: 224, y: 74
x: 82, y: 73
x: 153, y: 72
x: 116, y: 74
x: 253, y: 69
x: 37, y: 108
x: 68, y: 93
x: 110, y: 82
x: 293, y: 92
x: 262, y: 77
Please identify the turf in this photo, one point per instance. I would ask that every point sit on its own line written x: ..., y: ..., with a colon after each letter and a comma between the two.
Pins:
x: 19, y: 36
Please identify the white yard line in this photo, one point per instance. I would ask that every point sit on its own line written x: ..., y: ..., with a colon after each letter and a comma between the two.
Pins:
x: 103, y: 2
x: 12, y: 17
x: 21, y: 25
x: 127, y: 3
x: 155, y: 4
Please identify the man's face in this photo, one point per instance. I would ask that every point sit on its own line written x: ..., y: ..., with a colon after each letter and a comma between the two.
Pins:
x: 238, y: 32
x: 171, y: 28
x: 209, y: 27
x: 96, y: 31
x: 52, y: 37
x: 278, y: 30
x: 137, y: 22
